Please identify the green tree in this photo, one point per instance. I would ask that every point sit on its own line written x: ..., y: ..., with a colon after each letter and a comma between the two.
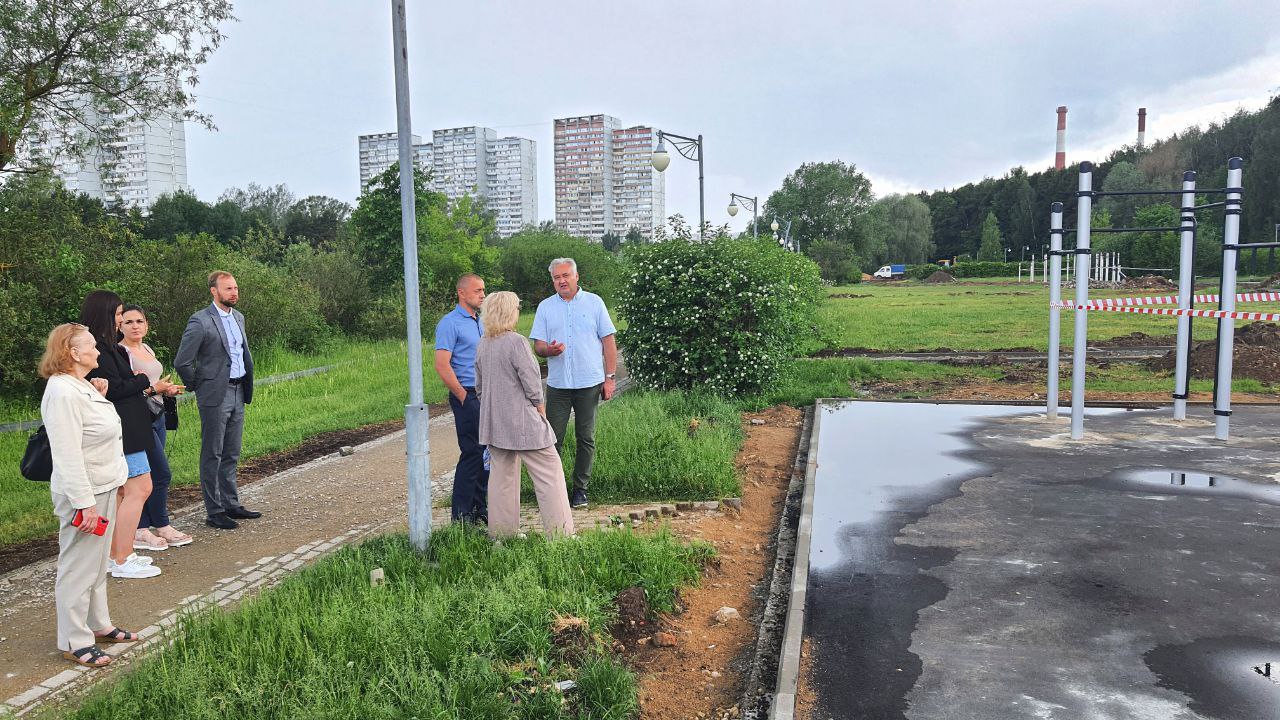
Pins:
x: 635, y: 237
x: 1262, y: 178
x: 1124, y: 177
x: 317, y: 219
x: 375, y: 225
x: 991, y: 247
x: 524, y: 262
x: 903, y: 228
x: 61, y: 64
x: 823, y: 201
x: 268, y: 205
x: 837, y: 262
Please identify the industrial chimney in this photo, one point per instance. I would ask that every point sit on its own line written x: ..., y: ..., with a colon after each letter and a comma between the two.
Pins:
x: 1142, y: 127
x: 1060, y: 157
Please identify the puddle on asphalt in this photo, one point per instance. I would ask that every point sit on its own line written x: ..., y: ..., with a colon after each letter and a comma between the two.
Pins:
x: 1224, y: 677
x: 1198, y: 483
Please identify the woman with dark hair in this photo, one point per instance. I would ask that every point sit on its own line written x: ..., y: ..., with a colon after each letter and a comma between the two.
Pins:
x: 102, y: 312
x: 155, y: 511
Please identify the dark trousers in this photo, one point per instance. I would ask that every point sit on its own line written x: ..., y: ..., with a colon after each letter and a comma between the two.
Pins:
x: 470, y: 479
x: 221, y: 429
x: 583, y: 403
x: 155, y: 512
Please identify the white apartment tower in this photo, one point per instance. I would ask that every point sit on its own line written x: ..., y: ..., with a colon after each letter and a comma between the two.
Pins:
x: 639, y: 191
x: 513, y: 183
x: 460, y: 158
x: 378, y: 152
x: 584, y: 174
x: 133, y: 163
x: 604, y: 180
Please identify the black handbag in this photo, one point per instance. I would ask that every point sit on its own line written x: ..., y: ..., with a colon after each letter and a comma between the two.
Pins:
x: 170, y: 413
x: 37, y: 461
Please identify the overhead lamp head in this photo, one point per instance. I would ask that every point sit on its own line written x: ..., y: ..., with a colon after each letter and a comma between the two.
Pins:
x: 774, y: 225
x: 661, y: 158
x: 733, y: 207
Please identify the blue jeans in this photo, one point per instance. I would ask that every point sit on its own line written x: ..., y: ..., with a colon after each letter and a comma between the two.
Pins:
x: 155, y: 512
x: 470, y: 479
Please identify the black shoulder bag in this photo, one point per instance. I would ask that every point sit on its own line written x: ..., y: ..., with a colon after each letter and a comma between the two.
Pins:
x: 37, y: 461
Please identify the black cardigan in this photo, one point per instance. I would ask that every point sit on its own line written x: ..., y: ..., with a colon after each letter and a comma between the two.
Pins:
x: 124, y: 389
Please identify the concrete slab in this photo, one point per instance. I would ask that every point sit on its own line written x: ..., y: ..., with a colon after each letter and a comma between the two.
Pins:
x: 972, y: 562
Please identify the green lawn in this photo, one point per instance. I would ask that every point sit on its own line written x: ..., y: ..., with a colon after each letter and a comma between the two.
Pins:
x: 464, y: 631
x: 974, y: 315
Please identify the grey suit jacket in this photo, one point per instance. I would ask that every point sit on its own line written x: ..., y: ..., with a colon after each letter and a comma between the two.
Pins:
x: 204, y: 357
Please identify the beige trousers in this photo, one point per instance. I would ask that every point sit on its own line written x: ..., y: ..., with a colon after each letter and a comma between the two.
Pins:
x: 81, y: 589
x: 547, y: 474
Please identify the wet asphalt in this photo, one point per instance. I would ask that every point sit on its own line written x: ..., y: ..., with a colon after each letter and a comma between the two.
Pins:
x: 971, y: 562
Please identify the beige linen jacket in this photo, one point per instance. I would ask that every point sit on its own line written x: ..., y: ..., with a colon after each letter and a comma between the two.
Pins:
x: 510, y: 390
x: 84, y: 439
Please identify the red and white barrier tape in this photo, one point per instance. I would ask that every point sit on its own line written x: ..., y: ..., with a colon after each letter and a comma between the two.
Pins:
x: 1172, y: 300
x: 1236, y: 315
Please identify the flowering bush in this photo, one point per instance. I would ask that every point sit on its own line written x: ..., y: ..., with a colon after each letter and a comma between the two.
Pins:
x: 722, y: 315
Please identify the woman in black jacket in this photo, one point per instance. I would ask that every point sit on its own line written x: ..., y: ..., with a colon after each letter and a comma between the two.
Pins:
x: 128, y: 391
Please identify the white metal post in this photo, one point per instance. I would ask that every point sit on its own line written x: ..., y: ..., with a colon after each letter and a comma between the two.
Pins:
x: 1186, y: 283
x: 1055, y: 312
x: 415, y: 413
x: 1084, y: 209
x: 1227, y: 301
x: 1033, y: 268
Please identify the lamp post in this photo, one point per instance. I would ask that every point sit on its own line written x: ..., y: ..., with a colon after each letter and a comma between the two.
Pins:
x: 733, y: 210
x: 1023, y: 256
x: 691, y: 148
x: 785, y: 239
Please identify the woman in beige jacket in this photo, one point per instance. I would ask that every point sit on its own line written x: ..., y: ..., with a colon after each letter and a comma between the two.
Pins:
x: 88, y: 468
x: 513, y: 423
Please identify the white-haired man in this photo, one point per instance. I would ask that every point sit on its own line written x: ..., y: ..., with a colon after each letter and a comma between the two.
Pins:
x: 573, y: 331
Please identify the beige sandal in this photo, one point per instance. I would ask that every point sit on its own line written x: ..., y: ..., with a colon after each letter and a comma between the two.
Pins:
x: 173, y: 537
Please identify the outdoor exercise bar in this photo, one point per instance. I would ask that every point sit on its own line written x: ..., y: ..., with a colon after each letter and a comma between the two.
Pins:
x: 1227, y: 298
x: 1084, y: 208
x: 1055, y: 298
x: 1186, y: 283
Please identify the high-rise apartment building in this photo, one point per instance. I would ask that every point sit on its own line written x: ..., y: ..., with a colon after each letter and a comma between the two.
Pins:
x: 584, y: 174
x: 513, y: 183
x: 132, y: 163
x: 378, y: 152
x: 468, y: 161
x: 604, y: 180
x: 639, y: 191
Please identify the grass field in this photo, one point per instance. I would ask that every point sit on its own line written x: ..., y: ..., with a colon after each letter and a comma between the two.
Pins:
x: 974, y: 315
x: 464, y: 631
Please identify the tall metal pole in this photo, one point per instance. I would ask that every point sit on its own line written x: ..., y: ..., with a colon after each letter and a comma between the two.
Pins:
x: 755, y: 218
x: 702, y: 204
x: 1084, y: 210
x: 415, y: 413
x: 1227, y: 299
x: 1186, y: 282
x: 1055, y: 312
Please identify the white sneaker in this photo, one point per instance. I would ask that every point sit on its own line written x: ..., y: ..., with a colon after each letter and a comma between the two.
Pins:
x: 133, y: 568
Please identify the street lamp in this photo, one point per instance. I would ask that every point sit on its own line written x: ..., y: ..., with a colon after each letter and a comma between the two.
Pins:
x: 784, y: 240
x: 691, y: 148
x: 1023, y: 256
x: 733, y: 210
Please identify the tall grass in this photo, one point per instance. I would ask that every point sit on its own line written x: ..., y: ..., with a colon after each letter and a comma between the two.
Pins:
x: 462, y: 632
x: 661, y: 446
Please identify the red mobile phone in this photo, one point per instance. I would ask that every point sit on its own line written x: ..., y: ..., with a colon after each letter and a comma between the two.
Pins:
x: 102, y: 522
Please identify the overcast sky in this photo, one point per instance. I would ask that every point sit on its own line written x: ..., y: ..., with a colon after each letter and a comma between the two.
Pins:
x: 918, y: 95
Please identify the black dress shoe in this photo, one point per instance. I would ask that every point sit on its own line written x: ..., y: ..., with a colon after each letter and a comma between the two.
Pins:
x: 243, y: 513
x: 221, y: 522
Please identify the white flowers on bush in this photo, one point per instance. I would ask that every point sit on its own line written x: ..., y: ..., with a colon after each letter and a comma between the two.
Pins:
x: 721, y: 316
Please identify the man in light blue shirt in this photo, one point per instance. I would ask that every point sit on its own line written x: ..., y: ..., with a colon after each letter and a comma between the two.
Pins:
x: 573, y: 331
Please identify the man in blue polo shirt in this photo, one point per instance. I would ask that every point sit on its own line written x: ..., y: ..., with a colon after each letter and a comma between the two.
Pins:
x: 457, y: 336
x: 572, y: 330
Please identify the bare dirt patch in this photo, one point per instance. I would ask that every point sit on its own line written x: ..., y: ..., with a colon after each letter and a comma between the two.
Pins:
x: 1135, y: 339
x: 939, y: 276
x: 1149, y: 282
x: 702, y: 675
x: 1256, y: 355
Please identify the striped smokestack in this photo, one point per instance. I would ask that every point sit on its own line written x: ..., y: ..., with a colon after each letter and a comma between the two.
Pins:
x: 1060, y: 157
x: 1142, y: 127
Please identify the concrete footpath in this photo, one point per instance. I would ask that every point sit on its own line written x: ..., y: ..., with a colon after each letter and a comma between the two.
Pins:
x: 308, y: 511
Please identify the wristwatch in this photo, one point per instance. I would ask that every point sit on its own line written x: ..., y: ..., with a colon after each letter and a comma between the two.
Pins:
x: 609, y: 376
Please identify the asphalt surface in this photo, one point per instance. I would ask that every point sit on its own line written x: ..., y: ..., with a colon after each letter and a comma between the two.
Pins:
x: 972, y: 562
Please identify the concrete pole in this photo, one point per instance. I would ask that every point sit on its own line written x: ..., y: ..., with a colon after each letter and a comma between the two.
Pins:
x: 1227, y: 326
x: 415, y: 413
x: 1055, y: 313
x: 1084, y: 209
x: 1186, y: 282
x: 1033, y: 269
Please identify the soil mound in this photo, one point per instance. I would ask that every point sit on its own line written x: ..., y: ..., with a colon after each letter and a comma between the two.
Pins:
x: 1136, y: 339
x: 1256, y: 355
x: 866, y: 277
x: 1148, y: 282
x: 1270, y: 283
x: 632, y: 622
x: 940, y: 277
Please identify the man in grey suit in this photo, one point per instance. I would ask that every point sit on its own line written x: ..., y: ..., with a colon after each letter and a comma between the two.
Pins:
x: 213, y: 360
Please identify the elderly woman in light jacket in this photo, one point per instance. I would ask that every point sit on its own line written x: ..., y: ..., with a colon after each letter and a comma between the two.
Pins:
x: 88, y: 468
x: 513, y: 423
